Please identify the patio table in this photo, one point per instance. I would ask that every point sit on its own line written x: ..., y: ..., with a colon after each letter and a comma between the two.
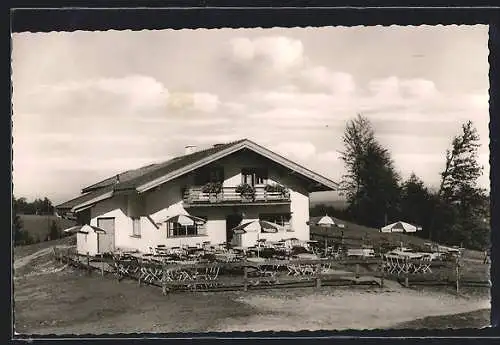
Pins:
x: 307, y: 256
x: 256, y: 259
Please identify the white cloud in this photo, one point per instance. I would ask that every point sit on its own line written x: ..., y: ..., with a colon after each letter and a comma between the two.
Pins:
x: 206, y: 102
x: 243, y: 48
x: 235, y: 107
x: 299, y: 149
x: 200, y: 101
x: 207, y: 140
x: 136, y: 90
x: 279, y: 51
x: 339, y: 83
x: 328, y: 156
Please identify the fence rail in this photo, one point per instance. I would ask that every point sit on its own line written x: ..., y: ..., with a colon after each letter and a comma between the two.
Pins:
x: 247, y: 275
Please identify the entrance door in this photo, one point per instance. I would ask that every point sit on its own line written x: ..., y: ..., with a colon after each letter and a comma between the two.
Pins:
x: 232, y: 221
x: 106, y: 242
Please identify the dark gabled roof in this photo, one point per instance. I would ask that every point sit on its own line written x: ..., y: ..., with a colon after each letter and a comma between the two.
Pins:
x: 122, y: 177
x: 129, y: 179
x: 84, y: 198
x: 173, y: 165
x: 153, y: 175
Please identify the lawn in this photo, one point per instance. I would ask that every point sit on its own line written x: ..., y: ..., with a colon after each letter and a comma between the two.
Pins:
x: 356, y: 235
x: 474, y: 319
x: 50, y: 300
x: 39, y: 226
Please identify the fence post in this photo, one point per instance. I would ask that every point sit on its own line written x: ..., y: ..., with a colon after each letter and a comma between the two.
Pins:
x: 407, y: 284
x: 245, y: 278
x: 382, y: 268
x: 164, y: 277
x: 88, y: 263
x: 140, y: 268
x: 357, y: 271
x: 457, y: 274
x: 318, y: 276
x: 67, y: 256
x: 102, y: 266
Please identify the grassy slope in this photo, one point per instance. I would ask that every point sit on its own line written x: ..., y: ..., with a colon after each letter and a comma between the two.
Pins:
x: 473, y: 269
x: 475, y: 319
x: 39, y: 226
x: 21, y: 251
x: 354, y: 233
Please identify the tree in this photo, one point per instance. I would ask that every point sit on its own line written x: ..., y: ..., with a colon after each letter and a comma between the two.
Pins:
x: 371, y: 181
x: 462, y: 206
x: 54, y: 233
x: 417, y: 203
x: 17, y: 226
x: 462, y: 169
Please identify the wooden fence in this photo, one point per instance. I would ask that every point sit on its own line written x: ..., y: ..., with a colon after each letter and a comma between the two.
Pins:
x: 247, y: 275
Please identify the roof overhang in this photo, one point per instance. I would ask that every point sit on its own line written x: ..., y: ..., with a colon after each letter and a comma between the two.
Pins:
x: 92, y: 202
x: 318, y: 179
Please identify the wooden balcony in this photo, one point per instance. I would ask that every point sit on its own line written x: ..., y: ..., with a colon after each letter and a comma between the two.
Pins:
x: 193, y: 196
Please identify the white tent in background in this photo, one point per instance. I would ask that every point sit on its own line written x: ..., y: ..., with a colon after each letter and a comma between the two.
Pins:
x: 326, y: 221
x: 400, y: 227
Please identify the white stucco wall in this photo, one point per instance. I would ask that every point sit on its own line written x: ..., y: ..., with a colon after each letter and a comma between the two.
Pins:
x: 86, y: 243
x: 166, y: 201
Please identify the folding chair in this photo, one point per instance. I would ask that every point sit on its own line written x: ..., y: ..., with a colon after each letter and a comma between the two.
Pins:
x: 426, y: 265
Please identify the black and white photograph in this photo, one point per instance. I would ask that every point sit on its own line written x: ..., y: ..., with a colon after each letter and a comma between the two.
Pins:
x: 255, y: 179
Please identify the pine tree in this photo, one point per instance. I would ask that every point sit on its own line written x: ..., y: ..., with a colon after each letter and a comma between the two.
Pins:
x: 371, y: 181
x: 416, y: 203
x: 462, y: 205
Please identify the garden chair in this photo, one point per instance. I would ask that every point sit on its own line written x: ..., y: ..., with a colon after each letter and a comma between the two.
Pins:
x: 392, y: 265
x: 426, y: 264
x: 293, y: 270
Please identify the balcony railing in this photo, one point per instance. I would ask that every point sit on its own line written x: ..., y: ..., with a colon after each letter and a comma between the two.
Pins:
x: 195, y: 196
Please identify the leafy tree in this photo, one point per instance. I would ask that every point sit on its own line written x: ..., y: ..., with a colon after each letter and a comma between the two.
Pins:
x: 462, y: 206
x: 54, y: 233
x: 371, y: 180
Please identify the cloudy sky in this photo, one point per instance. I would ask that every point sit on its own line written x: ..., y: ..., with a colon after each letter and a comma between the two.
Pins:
x: 88, y: 105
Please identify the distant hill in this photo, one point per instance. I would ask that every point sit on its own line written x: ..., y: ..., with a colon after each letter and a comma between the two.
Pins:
x: 336, y: 199
x: 39, y: 226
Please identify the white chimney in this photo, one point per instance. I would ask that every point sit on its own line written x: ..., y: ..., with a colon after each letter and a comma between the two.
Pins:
x: 190, y: 149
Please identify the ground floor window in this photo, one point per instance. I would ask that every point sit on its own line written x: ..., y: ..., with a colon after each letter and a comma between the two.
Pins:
x: 282, y: 219
x: 177, y: 229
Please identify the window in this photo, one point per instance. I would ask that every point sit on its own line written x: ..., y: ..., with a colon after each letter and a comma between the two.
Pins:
x: 254, y: 176
x: 213, y: 174
x: 282, y: 219
x: 136, y: 227
x: 177, y: 229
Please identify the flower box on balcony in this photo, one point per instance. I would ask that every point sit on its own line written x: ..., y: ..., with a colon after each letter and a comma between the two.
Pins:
x: 246, y: 191
x: 276, y: 190
x: 213, y: 189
